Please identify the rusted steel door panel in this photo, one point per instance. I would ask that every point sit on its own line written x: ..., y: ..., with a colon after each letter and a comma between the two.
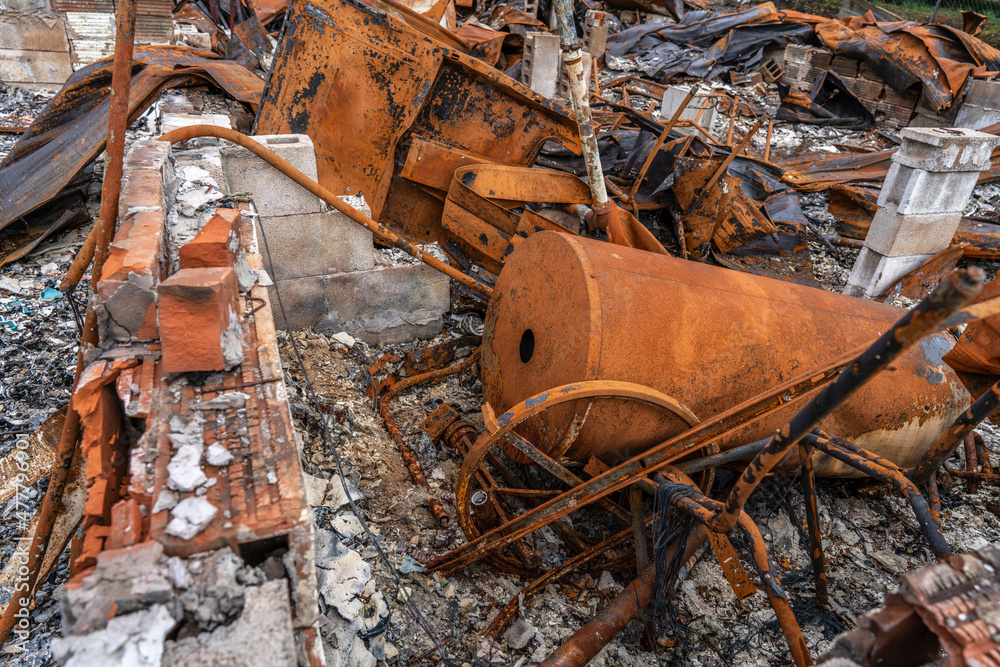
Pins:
x: 707, y: 337
x: 363, y: 83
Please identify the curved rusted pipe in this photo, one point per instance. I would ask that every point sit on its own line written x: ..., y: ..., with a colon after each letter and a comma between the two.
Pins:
x: 121, y: 79
x: 381, y: 232
x: 588, y: 641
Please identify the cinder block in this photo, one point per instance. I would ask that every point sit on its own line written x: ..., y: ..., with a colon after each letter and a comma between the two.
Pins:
x: 35, y: 69
x: 391, y: 304
x: 976, y: 117
x: 873, y: 272
x: 595, y: 33
x: 174, y: 121
x: 216, y: 243
x: 200, y: 321
x: 945, y: 149
x: 895, y: 235
x: 541, y: 64
x: 672, y: 99
x: 564, y: 92
x: 917, y: 191
x: 274, y: 193
x: 315, y: 244
x: 983, y: 93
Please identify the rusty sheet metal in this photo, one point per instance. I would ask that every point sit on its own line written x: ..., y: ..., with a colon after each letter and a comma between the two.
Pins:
x: 365, y: 81
x: 814, y: 172
x: 937, y: 57
x: 830, y: 102
x: 478, y: 209
x: 763, y: 332
x: 918, y: 283
x: 72, y: 128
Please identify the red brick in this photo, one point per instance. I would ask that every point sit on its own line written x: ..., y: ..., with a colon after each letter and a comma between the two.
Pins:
x: 126, y: 525
x: 141, y: 188
x: 196, y: 307
x: 216, y: 242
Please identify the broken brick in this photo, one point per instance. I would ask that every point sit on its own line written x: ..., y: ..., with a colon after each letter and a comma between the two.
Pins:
x: 126, y: 524
x: 199, y: 320
x: 216, y: 243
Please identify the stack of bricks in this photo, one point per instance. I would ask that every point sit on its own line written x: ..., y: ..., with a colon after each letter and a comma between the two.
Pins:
x: 804, y: 63
x: 921, y: 203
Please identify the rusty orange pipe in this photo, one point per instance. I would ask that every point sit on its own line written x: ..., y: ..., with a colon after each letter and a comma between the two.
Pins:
x: 121, y: 79
x: 381, y: 232
x: 588, y: 641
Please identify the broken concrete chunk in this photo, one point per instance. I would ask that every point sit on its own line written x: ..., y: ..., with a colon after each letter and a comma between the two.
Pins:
x: 135, y: 640
x: 341, y: 575
x: 185, y: 470
x: 164, y: 501
x: 344, y: 338
x: 132, y: 578
x: 217, y: 455
x: 519, y: 634
x: 190, y: 517
x: 265, y: 625
x: 234, y: 399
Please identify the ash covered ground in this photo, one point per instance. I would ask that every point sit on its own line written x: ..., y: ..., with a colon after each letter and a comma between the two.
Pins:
x: 870, y: 534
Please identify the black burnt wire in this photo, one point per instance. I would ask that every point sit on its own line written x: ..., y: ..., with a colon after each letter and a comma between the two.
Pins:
x: 670, y: 526
x: 397, y: 579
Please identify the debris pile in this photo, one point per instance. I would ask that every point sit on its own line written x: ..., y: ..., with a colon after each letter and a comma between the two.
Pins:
x: 469, y: 332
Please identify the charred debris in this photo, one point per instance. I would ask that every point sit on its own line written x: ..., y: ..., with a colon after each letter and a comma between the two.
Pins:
x: 352, y: 332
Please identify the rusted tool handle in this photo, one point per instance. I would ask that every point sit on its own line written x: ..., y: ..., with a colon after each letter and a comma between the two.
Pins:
x: 384, y: 234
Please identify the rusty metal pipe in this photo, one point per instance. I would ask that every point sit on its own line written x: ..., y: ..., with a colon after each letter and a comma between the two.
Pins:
x: 588, y: 641
x: 660, y: 141
x: 121, y: 80
x: 381, y: 232
x: 99, y: 240
x: 409, y: 459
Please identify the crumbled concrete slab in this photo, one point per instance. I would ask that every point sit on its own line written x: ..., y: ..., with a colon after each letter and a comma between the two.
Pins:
x: 133, y: 640
x: 265, y: 624
x: 132, y: 578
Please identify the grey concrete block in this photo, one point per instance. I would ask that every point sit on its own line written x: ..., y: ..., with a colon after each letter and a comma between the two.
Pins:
x: 262, y: 635
x: 945, y: 149
x: 874, y: 272
x: 315, y: 244
x: 976, y: 117
x: 542, y: 63
x: 274, y: 194
x: 983, y: 93
x: 672, y: 99
x: 389, y: 304
x: 35, y: 69
x: 917, y: 191
x: 595, y: 33
x: 563, y: 92
x: 894, y: 235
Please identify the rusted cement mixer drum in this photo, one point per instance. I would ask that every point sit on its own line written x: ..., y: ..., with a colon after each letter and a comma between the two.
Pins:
x: 568, y: 309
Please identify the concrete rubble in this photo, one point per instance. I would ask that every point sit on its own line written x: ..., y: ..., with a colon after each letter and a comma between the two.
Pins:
x: 497, y: 333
